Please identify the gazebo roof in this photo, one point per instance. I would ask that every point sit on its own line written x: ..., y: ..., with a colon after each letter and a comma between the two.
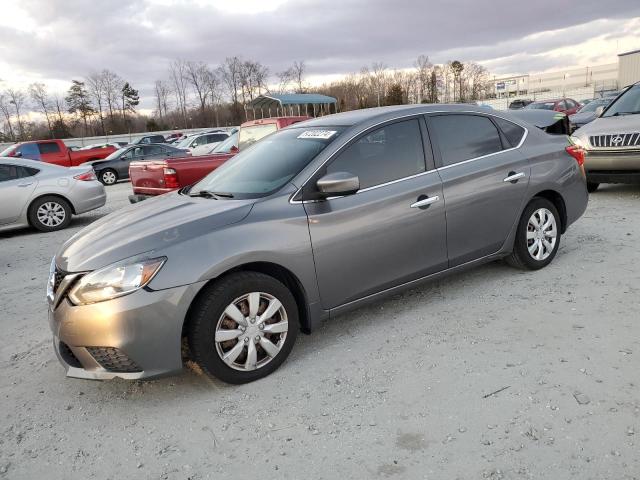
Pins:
x: 286, y: 99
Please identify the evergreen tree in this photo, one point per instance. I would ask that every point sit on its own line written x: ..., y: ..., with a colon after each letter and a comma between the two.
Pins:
x: 79, y: 102
x: 130, y: 99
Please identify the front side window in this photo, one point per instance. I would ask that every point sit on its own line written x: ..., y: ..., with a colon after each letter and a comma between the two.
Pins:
x: 50, y: 147
x: 251, y: 134
x: 463, y: 137
x: 29, y: 150
x: 389, y: 153
x: 269, y: 165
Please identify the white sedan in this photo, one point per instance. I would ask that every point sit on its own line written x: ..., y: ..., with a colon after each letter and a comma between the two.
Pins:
x: 45, y: 196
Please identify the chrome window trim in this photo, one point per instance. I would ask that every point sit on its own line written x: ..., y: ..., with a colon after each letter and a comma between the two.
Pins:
x: 437, y: 169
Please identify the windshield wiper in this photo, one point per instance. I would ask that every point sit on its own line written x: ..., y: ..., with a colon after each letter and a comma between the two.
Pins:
x: 209, y: 194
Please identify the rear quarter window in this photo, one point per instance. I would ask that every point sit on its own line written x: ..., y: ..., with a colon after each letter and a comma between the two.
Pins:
x: 513, y: 132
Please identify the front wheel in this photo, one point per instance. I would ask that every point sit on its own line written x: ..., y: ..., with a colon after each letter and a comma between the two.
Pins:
x: 538, y: 236
x: 242, y: 327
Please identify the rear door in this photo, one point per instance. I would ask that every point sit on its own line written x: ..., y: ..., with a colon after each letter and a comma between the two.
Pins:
x: 385, y: 234
x: 17, y: 184
x: 484, y: 178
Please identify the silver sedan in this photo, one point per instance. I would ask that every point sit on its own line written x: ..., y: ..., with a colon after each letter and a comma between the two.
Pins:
x: 45, y: 196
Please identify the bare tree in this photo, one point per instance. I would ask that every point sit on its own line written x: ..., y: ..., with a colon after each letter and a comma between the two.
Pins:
x: 17, y: 99
x: 179, y: 83
x: 5, y: 108
x: 42, y: 102
x: 298, y: 70
x: 231, y: 75
x: 284, y: 80
x: 162, y: 92
x: 96, y: 87
x: 197, y: 74
x: 112, y: 85
x: 214, y: 87
x: 423, y: 74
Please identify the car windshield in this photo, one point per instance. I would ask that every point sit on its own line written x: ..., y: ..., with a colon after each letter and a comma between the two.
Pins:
x: 627, y: 104
x: 116, y: 154
x: 225, y: 146
x: 541, y: 106
x: 268, y: 165
x: 592, y: 106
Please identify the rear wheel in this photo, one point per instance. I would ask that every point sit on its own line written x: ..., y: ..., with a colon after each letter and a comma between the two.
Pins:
x: 243, y: 327
x: 538, y: 236
x: 592, y: 186
x: 108, y: 176
x: 49, y: 213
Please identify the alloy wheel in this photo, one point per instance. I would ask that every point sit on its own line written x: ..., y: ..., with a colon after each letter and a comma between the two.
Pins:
x: 542, y: 234
x: 51, y: 214
x: 108, y: 178
x: 251, y: 331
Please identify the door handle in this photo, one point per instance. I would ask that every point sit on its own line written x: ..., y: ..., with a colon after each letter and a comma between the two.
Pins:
x: 25, y: 184
x: 425, y: 202
x: 514, y: 177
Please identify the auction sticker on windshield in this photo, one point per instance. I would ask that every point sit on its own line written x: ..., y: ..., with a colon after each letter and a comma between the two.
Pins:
x: 321, y: 134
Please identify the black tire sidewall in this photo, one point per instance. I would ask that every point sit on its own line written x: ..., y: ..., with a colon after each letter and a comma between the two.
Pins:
x: 108, y: 170
x: 592, y: 186
x: 209, y: 306
x: 520, y: 247
x: 33, y: 217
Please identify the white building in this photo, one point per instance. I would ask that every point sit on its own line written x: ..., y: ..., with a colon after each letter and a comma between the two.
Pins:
x: 629, y: 68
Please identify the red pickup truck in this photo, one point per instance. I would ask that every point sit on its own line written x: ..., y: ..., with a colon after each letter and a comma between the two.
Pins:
x: 150, y: 178
x: 56, y: 152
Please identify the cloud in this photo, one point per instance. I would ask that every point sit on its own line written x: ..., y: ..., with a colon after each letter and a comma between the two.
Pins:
x: 57, y: 40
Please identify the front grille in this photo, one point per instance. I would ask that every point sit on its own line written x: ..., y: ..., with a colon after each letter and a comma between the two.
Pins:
x: 113, y: 359
x: 615, y: 140
x: 67, y: 355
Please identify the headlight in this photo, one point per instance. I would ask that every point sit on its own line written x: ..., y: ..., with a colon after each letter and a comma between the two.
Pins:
x: 577, y: 141
x: 115, y: 281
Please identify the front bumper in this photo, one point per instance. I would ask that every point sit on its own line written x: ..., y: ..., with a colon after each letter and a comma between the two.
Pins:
x: 613, y: 166
x: 132, y: 337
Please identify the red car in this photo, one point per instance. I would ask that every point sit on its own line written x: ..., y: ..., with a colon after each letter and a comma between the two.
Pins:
x: 56, y: 152
x: 567, y: 106
x: 151, y: 178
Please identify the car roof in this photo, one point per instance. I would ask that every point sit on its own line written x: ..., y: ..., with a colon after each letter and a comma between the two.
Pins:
x: 366, y: 115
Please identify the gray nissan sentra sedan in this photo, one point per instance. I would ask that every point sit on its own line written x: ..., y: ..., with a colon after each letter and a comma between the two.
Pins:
x: 315, y: 219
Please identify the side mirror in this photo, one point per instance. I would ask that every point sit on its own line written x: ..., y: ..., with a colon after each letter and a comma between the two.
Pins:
x: 599, y: 110
x: 17, y: 154
x: 234, y: 149
x: 338, y: 183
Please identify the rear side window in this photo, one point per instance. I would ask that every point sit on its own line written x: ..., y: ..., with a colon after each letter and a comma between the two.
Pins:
x: 463, y: 137
x: 513, y: 132
x: 216, y: 137
x: 8, y: 172
x: 49, y: 147
x: 389, y: 153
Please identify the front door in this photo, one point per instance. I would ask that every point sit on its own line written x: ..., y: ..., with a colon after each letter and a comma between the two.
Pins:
x: 393, y: 230
x: 484, y: 180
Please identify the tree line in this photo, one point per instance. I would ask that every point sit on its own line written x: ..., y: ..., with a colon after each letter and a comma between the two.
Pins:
x: 195, y: 94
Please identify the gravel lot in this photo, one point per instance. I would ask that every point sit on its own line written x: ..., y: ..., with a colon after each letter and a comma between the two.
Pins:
x: 400, y: 389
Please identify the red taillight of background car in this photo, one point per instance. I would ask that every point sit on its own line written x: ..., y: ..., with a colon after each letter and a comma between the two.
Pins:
x: 86, y: 176
x: 170, y: 178
x: 576, y: 152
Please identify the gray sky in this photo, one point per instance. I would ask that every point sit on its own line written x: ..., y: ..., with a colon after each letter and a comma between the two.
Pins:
x: 57, y: 40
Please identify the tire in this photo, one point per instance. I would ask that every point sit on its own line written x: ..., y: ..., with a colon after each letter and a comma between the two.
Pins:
x: 530, y: 252
x: 49, y: 213
x: 108, y: 176
x: 212, y: 334
x: 592, y: 186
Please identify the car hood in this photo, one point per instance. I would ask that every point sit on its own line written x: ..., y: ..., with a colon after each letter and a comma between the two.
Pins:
x: 95, y: 163
x: 584, y: 117
x: 147, y: 228
x: 607, y: 125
